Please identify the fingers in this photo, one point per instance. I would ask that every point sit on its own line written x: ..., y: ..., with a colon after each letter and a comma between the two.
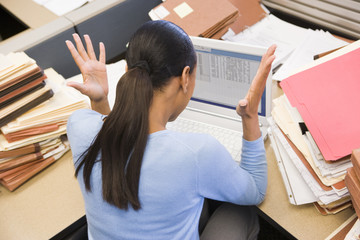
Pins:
x: 102, y: 56
x: 89, y: 47
x: 268, y: 58
x: 80, y: 47
x: 74, y: 53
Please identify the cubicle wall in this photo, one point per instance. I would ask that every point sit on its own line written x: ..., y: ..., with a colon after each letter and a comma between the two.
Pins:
x: 110, y: 21
x: 52, y: 53
x: 115, y: 26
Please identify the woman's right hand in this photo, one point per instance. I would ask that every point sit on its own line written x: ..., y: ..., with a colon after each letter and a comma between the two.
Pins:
x: 95, y: 83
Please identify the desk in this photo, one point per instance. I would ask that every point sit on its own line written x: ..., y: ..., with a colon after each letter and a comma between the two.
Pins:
x: 303, y: 222
x: 51, y: 201
x: 43, y: 206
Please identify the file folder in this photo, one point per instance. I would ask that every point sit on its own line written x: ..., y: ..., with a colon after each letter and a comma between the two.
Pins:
x: 327, y: 97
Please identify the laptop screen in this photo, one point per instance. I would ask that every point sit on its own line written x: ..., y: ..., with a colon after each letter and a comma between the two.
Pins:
x: 225, y: 71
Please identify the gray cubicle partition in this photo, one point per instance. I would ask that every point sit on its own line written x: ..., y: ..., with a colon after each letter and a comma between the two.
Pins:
x: 110, y: 21
x: 115, y: 25
x: 46, y: 45
x: 53, y: 53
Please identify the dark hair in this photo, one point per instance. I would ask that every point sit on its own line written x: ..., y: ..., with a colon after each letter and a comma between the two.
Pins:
x: 157, y: 51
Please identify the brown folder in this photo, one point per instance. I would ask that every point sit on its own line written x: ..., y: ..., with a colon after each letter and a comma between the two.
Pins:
x: 12, y: 171
x: 341, y: 232
x: 353, y: 184
x: 11, y: 174
x: 355, y: 160
x: 198, y: 17
x: 250, y: 12
x: 17, y: 95
x: 35, y: 147
x: 20, y: 161
x: 22, y: 83
x: 27, y: 174
x: 19, y: 135
x: 327, y: 211
x: 26, y: 106
x: 19, y: 77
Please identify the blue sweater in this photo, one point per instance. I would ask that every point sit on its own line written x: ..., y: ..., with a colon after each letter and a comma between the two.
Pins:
x: 178, y: 171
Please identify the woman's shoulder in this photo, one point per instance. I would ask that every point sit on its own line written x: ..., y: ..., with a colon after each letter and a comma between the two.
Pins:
x: 84, y: 121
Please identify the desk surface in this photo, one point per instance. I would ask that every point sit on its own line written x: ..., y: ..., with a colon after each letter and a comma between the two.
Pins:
x: 44, y: 205
x: 51, y: 201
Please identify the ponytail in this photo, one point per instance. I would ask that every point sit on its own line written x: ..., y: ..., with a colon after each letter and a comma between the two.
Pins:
x: 122, y: 140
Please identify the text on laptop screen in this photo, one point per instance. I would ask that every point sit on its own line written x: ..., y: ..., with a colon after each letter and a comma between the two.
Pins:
x: 223, y: 77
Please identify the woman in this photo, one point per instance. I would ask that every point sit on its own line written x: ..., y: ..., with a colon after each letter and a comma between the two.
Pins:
x: 139, y: 180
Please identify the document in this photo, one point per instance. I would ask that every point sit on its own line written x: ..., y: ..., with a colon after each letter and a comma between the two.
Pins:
x: 271, y: 30
x: 327, y: 96
x: 296, y: 187
x: 61, y: 7
x: 315, y: 42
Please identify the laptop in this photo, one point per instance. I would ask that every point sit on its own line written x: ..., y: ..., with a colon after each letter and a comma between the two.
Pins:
x: 224, y: 74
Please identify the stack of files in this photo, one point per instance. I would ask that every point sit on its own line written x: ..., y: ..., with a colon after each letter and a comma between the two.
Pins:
x: 22, y: 86
x: 204, y: 18
x: 268, y: 31
x: 295, y: 45
x: 18, y: 166
x: 304, y: 184
x: 42, y: 126
x: 350, y: 229
x: 315, y: 127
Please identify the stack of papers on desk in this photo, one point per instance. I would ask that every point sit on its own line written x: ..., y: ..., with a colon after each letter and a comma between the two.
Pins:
x: 271, y: 30
x: 296, y: 46
x: 315, y: 42
x: 34, y: 137
x: 314, y: 128
x: 22, y: 86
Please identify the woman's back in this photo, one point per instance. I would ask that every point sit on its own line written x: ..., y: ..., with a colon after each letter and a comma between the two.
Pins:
x: 177, y: 172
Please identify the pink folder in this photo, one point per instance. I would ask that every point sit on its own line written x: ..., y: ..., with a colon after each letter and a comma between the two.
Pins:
x: 327, y: 97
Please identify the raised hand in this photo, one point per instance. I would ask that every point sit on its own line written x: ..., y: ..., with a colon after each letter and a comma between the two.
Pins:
x: 95, y: 83
x: 247, y: 108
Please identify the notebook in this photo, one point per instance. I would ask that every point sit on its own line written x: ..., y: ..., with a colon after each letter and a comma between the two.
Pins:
x: 224, y: 74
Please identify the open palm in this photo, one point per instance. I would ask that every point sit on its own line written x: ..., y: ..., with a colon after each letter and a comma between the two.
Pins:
x: 95, y: 83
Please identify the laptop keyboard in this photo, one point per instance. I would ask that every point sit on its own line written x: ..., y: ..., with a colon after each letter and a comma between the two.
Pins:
x: 232, y: 140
